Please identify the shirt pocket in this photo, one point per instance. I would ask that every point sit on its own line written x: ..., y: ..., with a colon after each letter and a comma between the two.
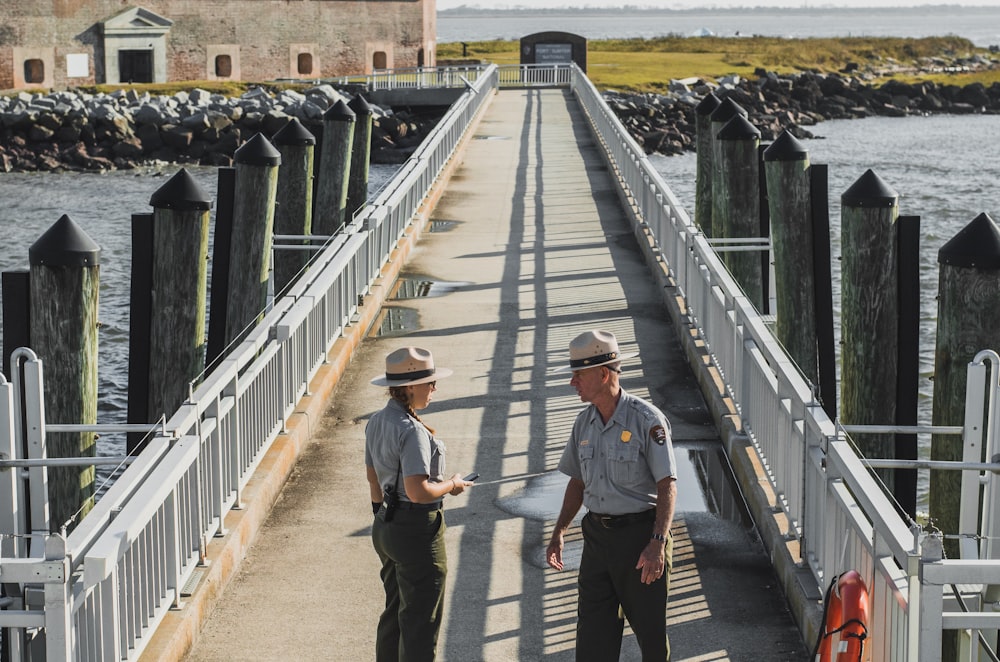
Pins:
x: 437, y: 467
x: 586, y: 456
x: 623, y: 463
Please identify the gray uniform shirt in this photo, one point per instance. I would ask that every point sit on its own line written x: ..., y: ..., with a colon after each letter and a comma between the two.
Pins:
x: 620, y: 461
x: 397, y: 445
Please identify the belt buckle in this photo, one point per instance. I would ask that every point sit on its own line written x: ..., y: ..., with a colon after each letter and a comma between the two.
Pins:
x: 606, y: 521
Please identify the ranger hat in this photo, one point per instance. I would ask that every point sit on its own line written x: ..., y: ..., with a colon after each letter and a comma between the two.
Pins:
x: 594, y: 348
x: 410, y: 365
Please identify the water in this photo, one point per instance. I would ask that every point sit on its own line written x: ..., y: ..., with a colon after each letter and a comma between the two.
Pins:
x: 981, y: 25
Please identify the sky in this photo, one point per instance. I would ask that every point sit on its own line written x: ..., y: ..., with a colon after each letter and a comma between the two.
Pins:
x: 706, y: 4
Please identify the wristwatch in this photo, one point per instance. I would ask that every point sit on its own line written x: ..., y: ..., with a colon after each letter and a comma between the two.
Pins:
x: 658, y: 536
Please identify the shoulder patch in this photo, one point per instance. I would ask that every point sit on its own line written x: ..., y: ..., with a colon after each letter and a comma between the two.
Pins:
x: 658, y: 434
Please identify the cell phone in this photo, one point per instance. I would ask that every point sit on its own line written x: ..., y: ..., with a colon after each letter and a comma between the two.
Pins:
x: 471, y: 477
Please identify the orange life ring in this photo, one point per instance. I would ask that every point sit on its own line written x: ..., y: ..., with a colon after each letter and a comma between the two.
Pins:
x: 847, y: 611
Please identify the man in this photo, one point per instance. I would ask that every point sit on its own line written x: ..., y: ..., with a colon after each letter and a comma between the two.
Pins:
x: 620, y: 463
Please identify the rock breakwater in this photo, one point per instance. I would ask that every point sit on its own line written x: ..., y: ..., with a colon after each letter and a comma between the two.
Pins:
x: 73, y: 130
x: 77, y: 131
x: 665, y: 123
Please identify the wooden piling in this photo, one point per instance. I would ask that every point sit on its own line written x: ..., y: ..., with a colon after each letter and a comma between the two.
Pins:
x: 293, y: 215
x: 786, y: 166
x: 361, y: 148
x: 737, y: 196
x: 703, y: 172
x: 218, y: 321
x: 167, y: 335
x: 826, y: 353
x: 869, y: 313
x: 334, y: 169
x: 968, y: 321
x: 256, y: 165
x: 64, y: 284
x: 718, y: 118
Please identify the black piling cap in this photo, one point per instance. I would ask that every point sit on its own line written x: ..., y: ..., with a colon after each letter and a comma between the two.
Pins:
x: 360, y: 106
x: 65, y: 244
x: 738, y: 128
x: 707, y: 105
x: 727, y: 110
x: 976, y: 245
x: 181, y: 192
x: 293, y: 133
x: 339, y: 112
x: 786, y: 148
x: 869, y: 191
x: 258, y: 151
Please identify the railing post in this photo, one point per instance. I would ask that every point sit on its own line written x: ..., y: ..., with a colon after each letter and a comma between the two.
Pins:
x: 930, y: 603
x: 58, y: 605
x: 11, y: 518
x: 32, y: 395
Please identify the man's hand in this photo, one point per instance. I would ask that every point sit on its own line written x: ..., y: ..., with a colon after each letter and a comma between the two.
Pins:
x: 553, y: 553
x: 652, y: 562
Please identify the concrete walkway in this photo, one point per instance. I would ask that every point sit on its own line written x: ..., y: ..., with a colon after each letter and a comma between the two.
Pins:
x: 528, y: 247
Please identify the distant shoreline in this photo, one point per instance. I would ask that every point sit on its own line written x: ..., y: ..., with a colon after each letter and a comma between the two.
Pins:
x: 472, y: 12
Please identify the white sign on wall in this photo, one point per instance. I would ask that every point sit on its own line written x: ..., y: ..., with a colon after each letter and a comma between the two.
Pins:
x: 553, y: 53
x: 77, y: 65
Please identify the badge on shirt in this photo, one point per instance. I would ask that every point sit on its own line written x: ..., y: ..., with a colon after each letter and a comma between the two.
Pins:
x: 626, y: 436
x: 585, y: 442
x: 658, y: 434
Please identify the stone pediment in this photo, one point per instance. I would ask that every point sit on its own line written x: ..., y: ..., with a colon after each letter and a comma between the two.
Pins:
x: 137, y: 21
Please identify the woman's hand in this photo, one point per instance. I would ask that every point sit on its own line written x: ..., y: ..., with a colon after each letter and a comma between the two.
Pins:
x: 460, y: 485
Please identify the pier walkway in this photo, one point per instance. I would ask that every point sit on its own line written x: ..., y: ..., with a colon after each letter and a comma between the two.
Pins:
x: 527, y: 246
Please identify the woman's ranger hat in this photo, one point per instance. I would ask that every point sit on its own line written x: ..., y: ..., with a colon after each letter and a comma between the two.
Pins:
x: 410, y: 365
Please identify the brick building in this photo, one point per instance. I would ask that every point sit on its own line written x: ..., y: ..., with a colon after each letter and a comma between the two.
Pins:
x: 65, y: 43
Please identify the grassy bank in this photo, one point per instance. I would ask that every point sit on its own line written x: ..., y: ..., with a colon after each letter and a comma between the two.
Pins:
x: 647, y: 65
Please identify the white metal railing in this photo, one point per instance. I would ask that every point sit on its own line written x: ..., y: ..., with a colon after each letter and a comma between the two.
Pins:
x: 103, y: 588
x: 510, y: 75
x: 839, y: 514
x: 536, y: 75
x: 415, y: 78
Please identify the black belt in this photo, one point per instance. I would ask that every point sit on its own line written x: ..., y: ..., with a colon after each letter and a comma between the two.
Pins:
x: 617, y: 521
x: 409, y: 505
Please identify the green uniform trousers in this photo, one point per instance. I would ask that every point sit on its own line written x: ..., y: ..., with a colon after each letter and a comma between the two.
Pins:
x: 414, y: 565
x: 608, y: 580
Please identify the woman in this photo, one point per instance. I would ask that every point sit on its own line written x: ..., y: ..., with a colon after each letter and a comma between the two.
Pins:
x: 405, y: 468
